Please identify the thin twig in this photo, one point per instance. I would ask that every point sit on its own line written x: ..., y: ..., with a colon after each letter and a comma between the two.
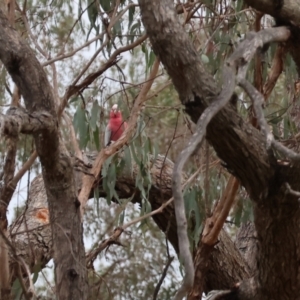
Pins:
x: 214, y: 224
x: 285, y: 151
x: 258, y: 101
x: 163, y: 275
x: 291, y: 191
x: 276, y: 70
x: 90, y: 62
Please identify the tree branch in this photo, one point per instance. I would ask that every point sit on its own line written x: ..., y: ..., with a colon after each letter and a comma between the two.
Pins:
x: 18, y: 120
x: 214, y: 224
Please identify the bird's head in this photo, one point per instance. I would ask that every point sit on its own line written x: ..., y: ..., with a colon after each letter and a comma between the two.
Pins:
x: 115, y: 113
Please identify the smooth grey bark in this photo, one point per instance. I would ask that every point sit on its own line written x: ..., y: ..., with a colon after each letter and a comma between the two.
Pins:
x: 242, y: 148
x: 68, y: 248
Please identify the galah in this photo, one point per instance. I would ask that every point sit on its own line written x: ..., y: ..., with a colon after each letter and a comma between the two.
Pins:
x: 115, y: 126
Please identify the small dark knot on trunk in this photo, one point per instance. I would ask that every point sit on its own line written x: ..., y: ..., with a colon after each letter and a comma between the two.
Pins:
x: 72, y: 274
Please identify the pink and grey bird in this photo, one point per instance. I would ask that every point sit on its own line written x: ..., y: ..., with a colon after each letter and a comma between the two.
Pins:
x: 115, y: 126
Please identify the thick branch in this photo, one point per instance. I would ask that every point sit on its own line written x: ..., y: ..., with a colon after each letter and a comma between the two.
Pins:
x: 18, y: 120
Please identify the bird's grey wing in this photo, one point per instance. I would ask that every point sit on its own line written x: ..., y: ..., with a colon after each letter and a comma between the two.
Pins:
x: 107, y: 136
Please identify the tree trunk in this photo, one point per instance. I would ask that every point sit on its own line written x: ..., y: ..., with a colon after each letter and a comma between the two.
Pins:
x: 68, y: 248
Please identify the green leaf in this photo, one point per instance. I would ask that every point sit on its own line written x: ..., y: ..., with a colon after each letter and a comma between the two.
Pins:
x: 134, y: 154
x: 95, y: 115
x: 105, y: 4
x: 74, y: 99
x: 144, y: 48
x: 195, y: 208
x: 131, y: 15
x: 117, y: 29
x: 96, y: 193
x: 111, y: 179
x: 151, y: 59
x: 140, y: 186
x: 92, y: 12
x: 107, y: 190
x: 135, y: 27
x: 127, y: 159
x: 106, y: 166
x: 197, y: 233
x: 134, y: 30
x: 81, y: 126
x: 96, y: 136
x: 17, y: 289
x: 147, y: 147
x: 204, y: 58
x: 121, y: 218
x: 189, y: 201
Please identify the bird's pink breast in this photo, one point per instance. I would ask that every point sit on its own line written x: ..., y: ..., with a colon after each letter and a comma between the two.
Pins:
x: 117, y: 127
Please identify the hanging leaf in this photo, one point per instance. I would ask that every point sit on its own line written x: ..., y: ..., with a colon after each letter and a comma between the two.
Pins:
x: 122, y: 218
x: 92, y: 12
x: 204, y: 58
x: 107, y: 190
x: 117, y: 29
x: 131, y: 12
x: 17, y: 290
x: 151, y: 59
x: 96, y: 193
x: 111, y: 180
x: 36, y: 269
x: 105, y: 4
x: 105, y: 166
x: 128, y: 161
x: 96, y: 138
x: 95, y: 115
x: 81, y: 126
